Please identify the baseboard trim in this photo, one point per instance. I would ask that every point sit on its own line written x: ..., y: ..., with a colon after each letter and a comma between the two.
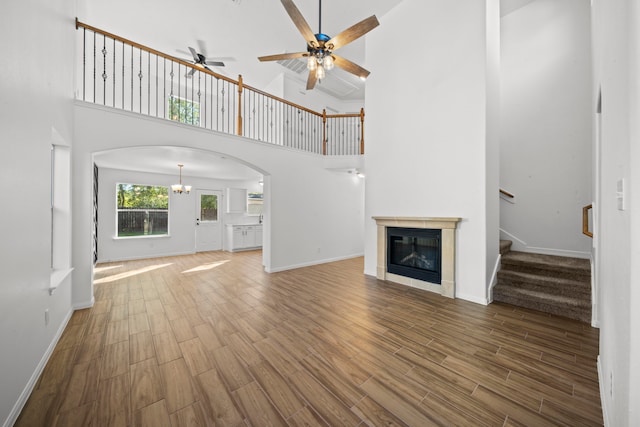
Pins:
x: 472, y: 298
x: 558, y: 252
x: 24, y: 396
x: 311, y: 263
x: 603, y: 401
x: 85, y: 304
x: 522, y: 246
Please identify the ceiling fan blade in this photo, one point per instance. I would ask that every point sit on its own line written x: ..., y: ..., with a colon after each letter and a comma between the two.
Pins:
x: 215, y: 63
x: 311, y: 80
x: 194, y: 53
x: 352, y: 33
x: 299, y: 21
x: 349, y: 66
x: 283, y: 56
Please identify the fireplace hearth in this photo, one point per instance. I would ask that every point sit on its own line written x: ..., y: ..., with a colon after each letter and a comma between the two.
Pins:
x: 424, y: 255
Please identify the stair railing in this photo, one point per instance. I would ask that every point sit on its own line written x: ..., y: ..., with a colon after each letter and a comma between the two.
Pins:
x: 585, y: 220
x: 506, y: 194
x: 119, y: 73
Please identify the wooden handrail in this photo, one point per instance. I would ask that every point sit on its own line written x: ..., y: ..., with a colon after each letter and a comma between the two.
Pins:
x: 80, y: 24
x: 151, y: 50
x: 242, y: 88
x: 585, y: 220
x: 506, y: 193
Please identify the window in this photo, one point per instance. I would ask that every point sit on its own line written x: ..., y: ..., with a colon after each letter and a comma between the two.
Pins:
x: 184, y: 111
x: 254, y: 203
x: 208, y: 207
x: 60, y: 207
x: 142, y: 210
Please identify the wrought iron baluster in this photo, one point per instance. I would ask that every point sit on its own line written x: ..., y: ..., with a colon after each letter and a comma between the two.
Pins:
x: 94, y: 67
x: 140, y: 76
x: 199, y: 100
x: 123, y: 80
x: 104, y: 70
x: 149, y: 83
x: 217, y: 104
x: 170, y: 103
x: 113, y: 104
x: 191, y: 106
x: 84, y: 64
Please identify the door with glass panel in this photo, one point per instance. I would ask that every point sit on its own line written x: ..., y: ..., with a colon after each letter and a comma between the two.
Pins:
x: 208, y: 220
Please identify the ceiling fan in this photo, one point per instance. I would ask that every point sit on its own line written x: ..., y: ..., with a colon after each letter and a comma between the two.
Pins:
x: 201, y: 61
x: 320, y: 47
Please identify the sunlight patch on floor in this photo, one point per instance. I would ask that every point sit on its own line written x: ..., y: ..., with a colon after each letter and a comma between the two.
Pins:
x: 105, y: 268
x: 205, y: 267
x: 130, y: 273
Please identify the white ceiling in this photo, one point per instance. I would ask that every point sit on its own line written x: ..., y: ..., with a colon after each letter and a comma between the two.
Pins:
x: 236, y: 32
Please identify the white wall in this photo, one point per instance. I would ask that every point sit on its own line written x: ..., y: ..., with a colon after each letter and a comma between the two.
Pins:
x: 36, y: 89
x: 314, y: 214
x: 616, y: 61
x: 182, y: 228
x: 493, y: 129
x: 426, y: 128
x: 545, y: 149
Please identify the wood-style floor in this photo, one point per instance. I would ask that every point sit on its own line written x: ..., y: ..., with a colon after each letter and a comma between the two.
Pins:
x: 210, y: 339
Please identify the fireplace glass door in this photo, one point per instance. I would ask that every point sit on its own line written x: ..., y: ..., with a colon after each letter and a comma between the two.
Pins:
x: 415, y: 253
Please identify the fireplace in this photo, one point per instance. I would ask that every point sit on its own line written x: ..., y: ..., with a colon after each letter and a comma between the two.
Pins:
x: 416, y: 240
x: 415, y: 253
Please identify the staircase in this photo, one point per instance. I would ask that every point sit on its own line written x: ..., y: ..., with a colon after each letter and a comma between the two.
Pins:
x: 551, y: 284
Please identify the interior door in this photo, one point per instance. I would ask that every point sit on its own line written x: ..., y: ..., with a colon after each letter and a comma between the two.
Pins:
x: 208, y: 221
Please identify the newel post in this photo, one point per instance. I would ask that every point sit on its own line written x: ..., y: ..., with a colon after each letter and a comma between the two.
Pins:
x: 324, y: 131
x: 239, y: 105
x: 362, y: 131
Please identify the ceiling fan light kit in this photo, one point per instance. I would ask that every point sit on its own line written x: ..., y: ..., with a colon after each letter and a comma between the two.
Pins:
x: 320, y: 47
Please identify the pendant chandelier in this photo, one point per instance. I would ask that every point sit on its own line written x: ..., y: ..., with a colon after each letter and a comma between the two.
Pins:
x: 179, y: 188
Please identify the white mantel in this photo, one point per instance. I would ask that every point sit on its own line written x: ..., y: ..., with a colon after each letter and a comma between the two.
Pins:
x: 448, y: 247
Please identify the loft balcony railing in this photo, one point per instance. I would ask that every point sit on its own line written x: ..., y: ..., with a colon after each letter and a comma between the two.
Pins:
x: 120, y: 73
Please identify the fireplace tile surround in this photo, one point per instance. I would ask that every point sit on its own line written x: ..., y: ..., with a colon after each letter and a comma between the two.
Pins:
x: 447, y: 225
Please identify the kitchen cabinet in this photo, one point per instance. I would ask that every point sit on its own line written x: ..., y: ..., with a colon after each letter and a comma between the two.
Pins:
x: 236, y: 200
x: 241, y: 237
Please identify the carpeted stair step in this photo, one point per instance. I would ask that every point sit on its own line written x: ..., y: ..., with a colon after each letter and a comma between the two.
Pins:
x: 573, y: 308
x: 548, y: 265
x: 551, y: 284
x: 557, y: 286
x: 505, y: 246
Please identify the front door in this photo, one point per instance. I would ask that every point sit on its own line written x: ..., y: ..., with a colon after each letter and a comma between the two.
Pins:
x: 208, y: 221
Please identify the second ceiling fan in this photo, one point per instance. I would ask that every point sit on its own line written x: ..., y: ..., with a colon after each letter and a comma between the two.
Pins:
x: 320, y: 47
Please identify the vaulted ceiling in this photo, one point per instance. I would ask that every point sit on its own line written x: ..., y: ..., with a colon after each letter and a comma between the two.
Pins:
x: 237, y: 32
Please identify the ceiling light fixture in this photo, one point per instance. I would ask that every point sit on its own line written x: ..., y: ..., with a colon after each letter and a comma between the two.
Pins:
x: 320, y: 47
x: 320, y: 58
x: 179, y: 188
